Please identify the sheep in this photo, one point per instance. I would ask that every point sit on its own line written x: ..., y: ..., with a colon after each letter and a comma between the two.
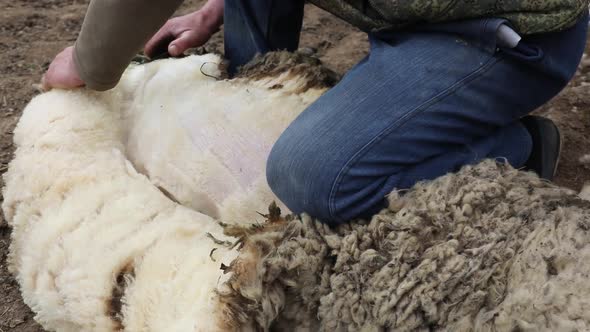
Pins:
x: 130, y: 212
x: 112, y: 202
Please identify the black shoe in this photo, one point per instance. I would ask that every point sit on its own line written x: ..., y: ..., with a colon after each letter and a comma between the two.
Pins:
x: 546, y: 146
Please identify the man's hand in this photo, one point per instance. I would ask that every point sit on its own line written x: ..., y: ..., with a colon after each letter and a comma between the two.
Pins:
x: 62, y: 72
x: 184, y: 32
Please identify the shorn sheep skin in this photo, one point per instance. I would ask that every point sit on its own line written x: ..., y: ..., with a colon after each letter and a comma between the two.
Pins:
x: 136, y: 209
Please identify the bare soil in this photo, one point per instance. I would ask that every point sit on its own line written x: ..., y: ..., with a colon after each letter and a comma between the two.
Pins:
x: 33, y: 31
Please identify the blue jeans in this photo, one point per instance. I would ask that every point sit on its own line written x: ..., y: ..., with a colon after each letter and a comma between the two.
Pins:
x: 423, y: 103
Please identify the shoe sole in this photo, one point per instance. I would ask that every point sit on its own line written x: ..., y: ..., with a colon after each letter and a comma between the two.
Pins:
x: 546, y: 131
x: 559, y: 149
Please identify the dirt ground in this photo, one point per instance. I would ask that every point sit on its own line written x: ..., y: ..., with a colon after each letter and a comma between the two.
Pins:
x: 33, y: 31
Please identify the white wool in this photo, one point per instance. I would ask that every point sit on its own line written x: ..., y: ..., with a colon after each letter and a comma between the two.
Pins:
x: 81, y: 213
x: 206, y: 143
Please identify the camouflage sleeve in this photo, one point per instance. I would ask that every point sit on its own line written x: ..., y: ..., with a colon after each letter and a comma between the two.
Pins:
x: 356, y: 12
x: 526, y: 16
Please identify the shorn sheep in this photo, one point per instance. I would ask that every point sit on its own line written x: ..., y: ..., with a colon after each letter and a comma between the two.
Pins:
x: 136, y: 209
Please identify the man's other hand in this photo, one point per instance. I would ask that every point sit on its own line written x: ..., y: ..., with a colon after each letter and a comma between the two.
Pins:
x: 184, y: 32
x: 62, y: 72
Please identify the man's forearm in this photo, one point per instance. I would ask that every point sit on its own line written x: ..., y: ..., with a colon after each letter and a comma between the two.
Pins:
x: 112, y: 33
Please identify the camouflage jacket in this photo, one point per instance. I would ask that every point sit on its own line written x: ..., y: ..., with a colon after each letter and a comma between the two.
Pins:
x: 526, y: 16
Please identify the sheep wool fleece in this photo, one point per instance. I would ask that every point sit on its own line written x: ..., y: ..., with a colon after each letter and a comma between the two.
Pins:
x: 112, y: 199
x: 487, y: 249
x: 135, y: 209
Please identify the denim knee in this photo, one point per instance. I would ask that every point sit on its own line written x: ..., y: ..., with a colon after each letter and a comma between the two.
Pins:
x: 308, y: 179
x: 280, y: 178
x: 298, y: 177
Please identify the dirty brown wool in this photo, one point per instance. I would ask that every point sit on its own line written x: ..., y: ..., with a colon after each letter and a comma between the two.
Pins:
x: 487, y: 249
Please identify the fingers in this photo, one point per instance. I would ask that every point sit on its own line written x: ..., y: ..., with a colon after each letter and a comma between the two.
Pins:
x: 180, y: 34
x: 158, y: 44
x: 44, y: 86
x: 174, y: 42
x: 186, y: 40
x: 62, y: 72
